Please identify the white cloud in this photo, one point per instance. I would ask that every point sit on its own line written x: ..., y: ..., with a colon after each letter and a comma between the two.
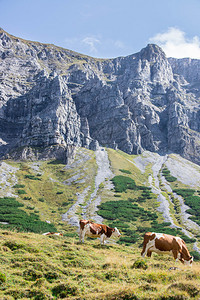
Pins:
x: 119, y: 44
x: 96, y: 46
x: 92, y: 43
x: 175, y: 43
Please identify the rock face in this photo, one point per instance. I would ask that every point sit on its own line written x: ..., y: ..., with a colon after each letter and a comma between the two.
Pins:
x: 53, y: 100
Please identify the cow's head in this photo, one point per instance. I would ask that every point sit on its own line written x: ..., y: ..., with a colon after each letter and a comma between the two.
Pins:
x: 116, y: 232
x: 188, y: 262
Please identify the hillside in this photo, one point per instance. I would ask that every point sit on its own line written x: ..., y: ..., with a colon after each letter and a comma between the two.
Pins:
x: 136, y: 193
x: 54, y: 100
x: 39, y: 267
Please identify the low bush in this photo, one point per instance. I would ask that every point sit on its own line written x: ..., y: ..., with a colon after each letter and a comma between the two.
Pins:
x: 168, y: 176
x: 189, y: 288
x: 32, y: 177
x: 18, y: 219
x: 165, y: 228
x: 64, y: 289
x: 65, y: 204
x: 41, y: 199
x: 12, y: 245
x: 125, y: 171
x: 27, y: 198
x: 2, y: 278
x: 51, y: 276
x: 32, y: 275
x: 140, y: 264
x: 19, y: 186
x: 123, y: 211
x: 21, y: 192
x: 192, y: 201
x: 122, y: 183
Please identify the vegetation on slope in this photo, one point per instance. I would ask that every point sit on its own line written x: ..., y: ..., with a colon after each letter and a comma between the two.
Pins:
x: 20, y: 220
x: 193, y: 201
x: 125, y: 213
x: 167, y: 175
x: 39, y: 267
x: 45, y: 189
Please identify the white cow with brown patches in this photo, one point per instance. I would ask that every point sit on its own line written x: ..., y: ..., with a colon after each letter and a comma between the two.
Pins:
x: 91, y: 229
x: 162, y: 243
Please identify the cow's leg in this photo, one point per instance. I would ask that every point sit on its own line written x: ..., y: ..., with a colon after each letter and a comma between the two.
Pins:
x: 81, y: 236
x: 102, y: 239
x: 144, y: 250
x: 176, y: 254
x: 149, y: 253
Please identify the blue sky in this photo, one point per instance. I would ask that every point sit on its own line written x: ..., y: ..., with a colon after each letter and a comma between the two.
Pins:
x: 107, y: 28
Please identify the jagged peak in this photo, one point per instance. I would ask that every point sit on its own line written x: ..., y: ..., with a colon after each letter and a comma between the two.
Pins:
x: 152, y: 52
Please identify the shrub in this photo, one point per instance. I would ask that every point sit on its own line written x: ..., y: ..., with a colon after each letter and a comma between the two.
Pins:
x: 19, y: 219
x: 32, y: 177
x: 125, y: 211
x: 2, y: 278
x: 30, y: 207
x: 122, y: 183
x: 31, y: 274
x: 192, y: 201
x: 51, y: 275
x: 189, y: 288
x: 41, y: 199
x: 19, y: 186
x: 21, y: 192
x: 64, y: 289
x: 125, y: 171
x: 140, y: 264
x: 27, y: 198
x: 168, y: 176
x: 12, y: 245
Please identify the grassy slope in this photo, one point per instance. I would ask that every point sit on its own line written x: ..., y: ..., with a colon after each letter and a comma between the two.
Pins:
x: 39, y: 267
x: 51, y: 196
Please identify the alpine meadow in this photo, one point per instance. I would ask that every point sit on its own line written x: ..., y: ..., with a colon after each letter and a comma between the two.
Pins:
x: 113, y: 141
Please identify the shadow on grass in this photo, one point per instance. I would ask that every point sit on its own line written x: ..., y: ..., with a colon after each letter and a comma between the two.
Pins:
x: 56, y: 162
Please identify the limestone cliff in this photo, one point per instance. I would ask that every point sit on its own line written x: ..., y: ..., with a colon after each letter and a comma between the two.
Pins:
x: 53, y: 100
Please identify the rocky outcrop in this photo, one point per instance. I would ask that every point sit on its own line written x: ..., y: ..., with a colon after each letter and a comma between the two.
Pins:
x: 53, y: 100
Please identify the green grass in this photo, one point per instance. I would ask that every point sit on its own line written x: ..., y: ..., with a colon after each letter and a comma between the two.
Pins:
x: 38, y: 267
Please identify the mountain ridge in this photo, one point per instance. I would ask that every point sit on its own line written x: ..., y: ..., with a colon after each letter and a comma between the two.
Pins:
x: 53, y: 98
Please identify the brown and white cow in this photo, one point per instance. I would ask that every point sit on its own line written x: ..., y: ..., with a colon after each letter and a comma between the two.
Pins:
x: 52, y: 233
x: 91, y: 229
x: 162, y: 243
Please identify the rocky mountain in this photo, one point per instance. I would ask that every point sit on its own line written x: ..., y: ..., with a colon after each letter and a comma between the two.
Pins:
x: 53, y: 100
